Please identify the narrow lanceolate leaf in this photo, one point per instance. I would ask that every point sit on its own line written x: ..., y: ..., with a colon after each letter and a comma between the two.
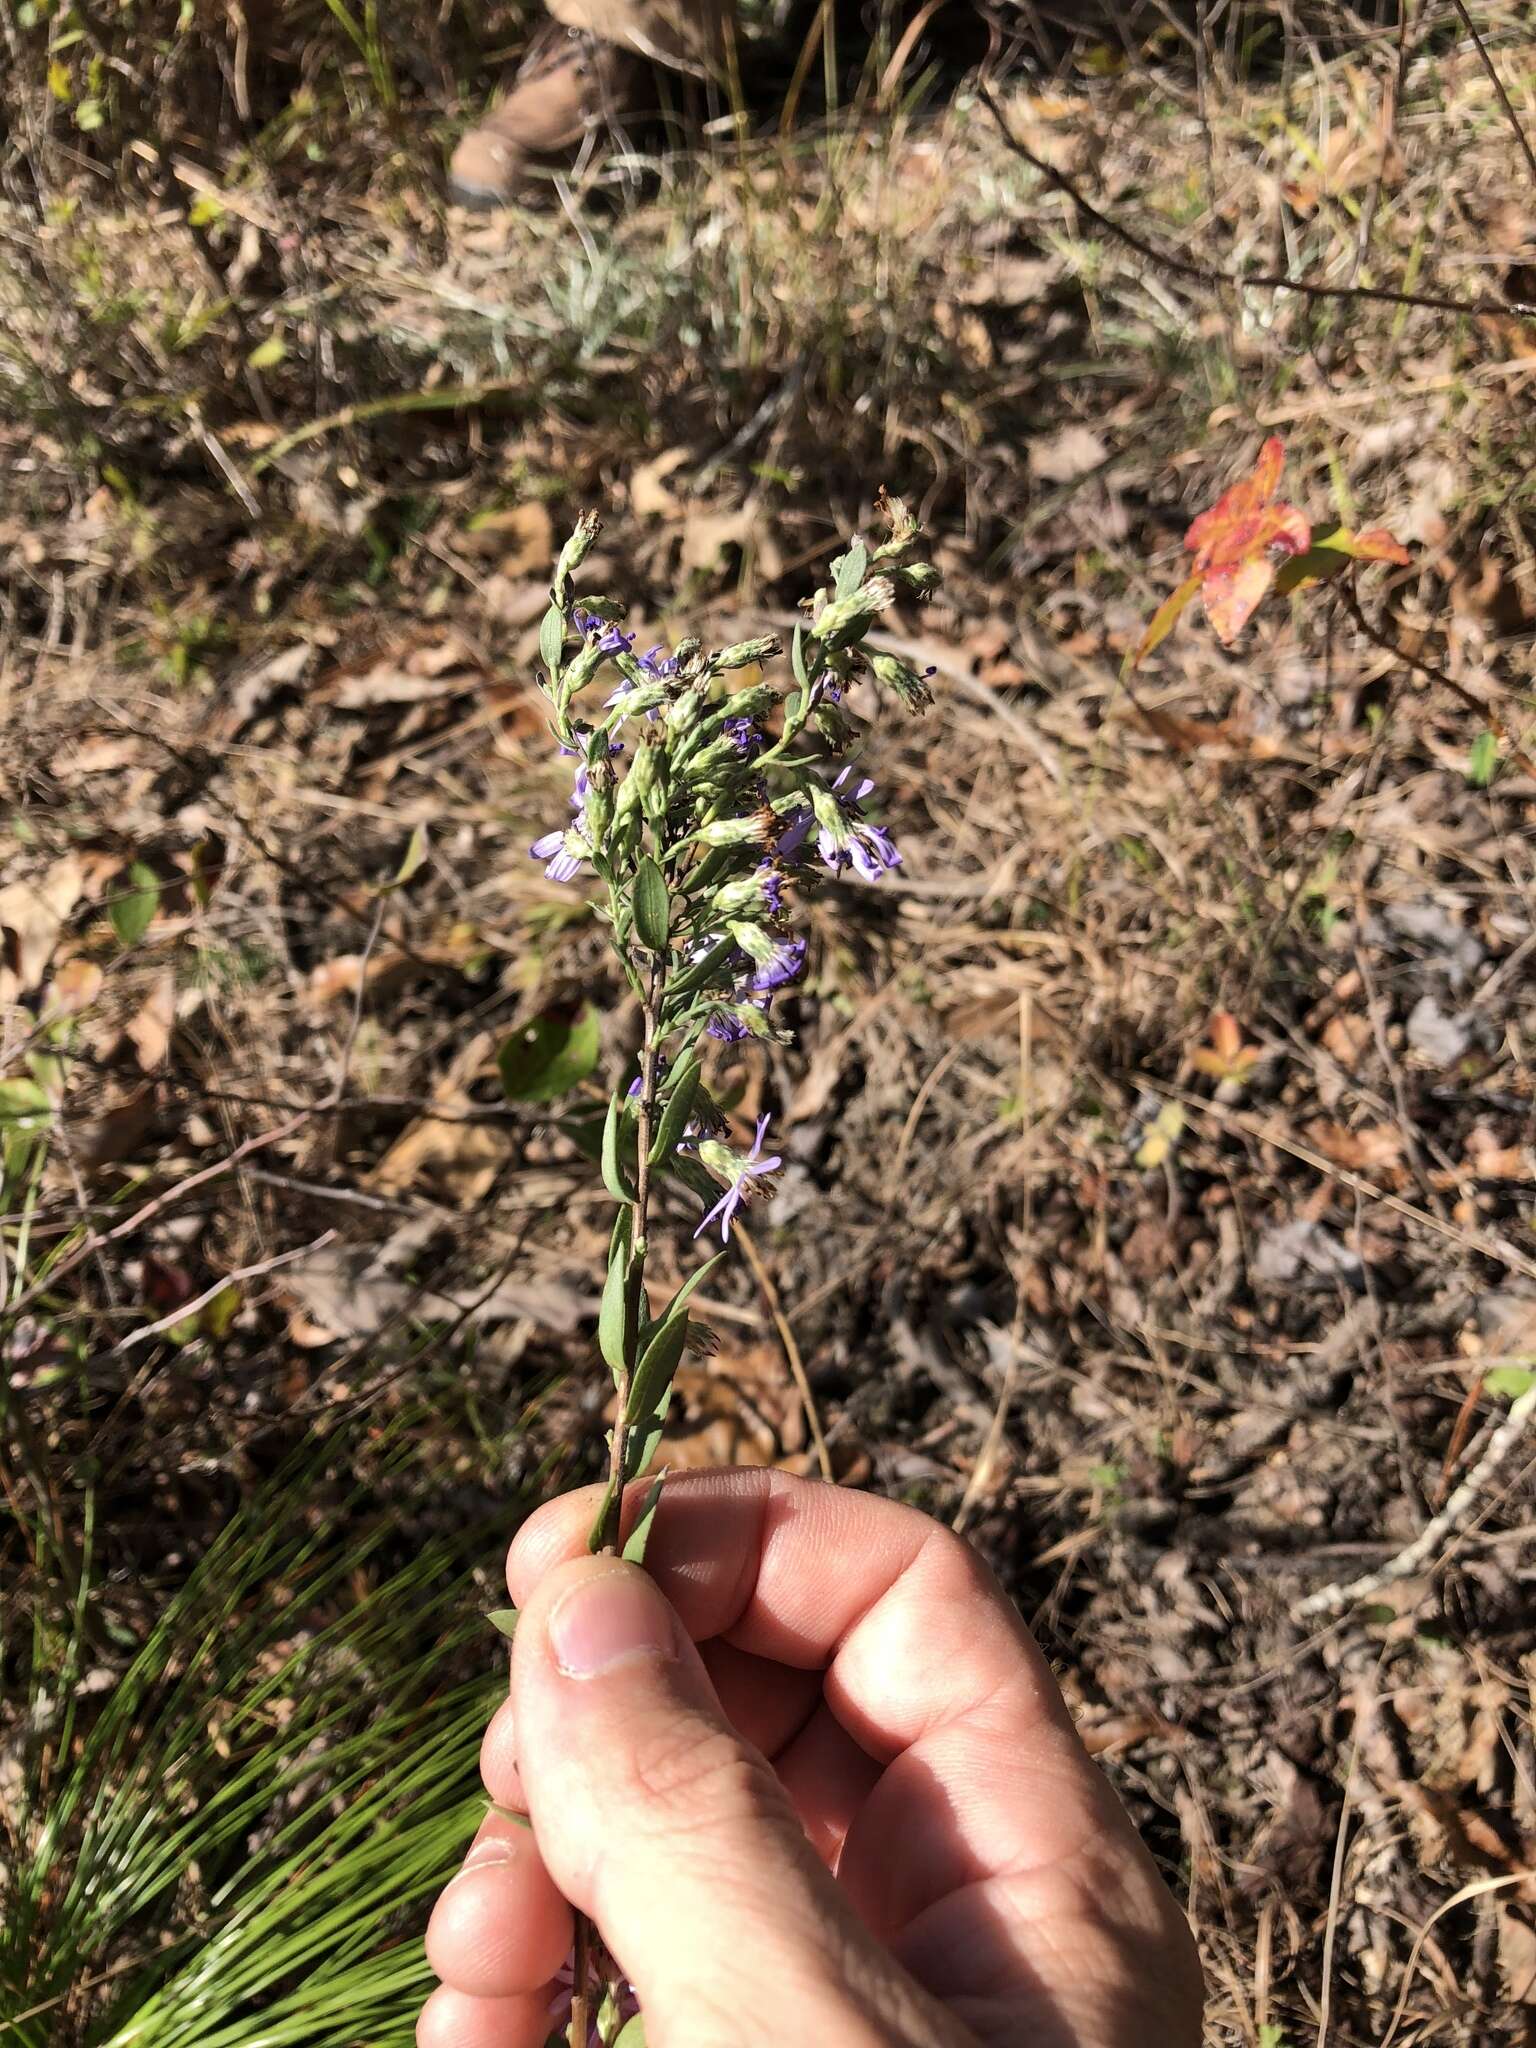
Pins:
x: 848, y: 570
x: 600, y: 1519
x: 616, y: 1177
x: 616, y: 1318
x: 653, y: 910
x: 504, y: 1620
x: 1163, y: 621
x: 552, y: 640
x: 678, y: 1109
x: 703, y: 971
x: 634, y: 1553
x: 651, y: 1393
x: 797, y: 658
x: 632, y: 2034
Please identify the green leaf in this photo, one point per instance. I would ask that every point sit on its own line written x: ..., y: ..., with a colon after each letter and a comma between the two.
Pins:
x: 552, y: 640
x: 634, y: 1553
x: 22, y: 1103
x: 653, y: 907
x: 219, y: 1314
x: 703, y: 971
x: 616, y: 1318
x: 1483, y: 760
x: 848, y: 570
x: 797, y: 659
x: 132, y: 912
x: 266, y: 355
x: 1510, y: 1381
x: 595, y: 1533
x: 504, y: 1620
x: 616, y: 1178
x: 653, y: 1378
x: 550, y: 1055
x: 679, y: 1107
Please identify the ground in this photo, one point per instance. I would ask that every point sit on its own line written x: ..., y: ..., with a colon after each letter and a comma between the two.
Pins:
x: 1159, y: 1138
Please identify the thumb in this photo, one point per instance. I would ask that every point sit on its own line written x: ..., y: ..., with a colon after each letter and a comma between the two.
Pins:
x: 675, y: 1836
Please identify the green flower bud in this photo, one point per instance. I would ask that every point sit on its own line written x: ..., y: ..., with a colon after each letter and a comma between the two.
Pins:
x: 643, y: 783
x: 749, y: 831
x: 684, y: 712
x: 573, y: 554
x: 845, y: 619
x: 835, y: 726
x: 745, y: 652
x: 903, y: 680
x: 920, y: 578
x: 599, y: 807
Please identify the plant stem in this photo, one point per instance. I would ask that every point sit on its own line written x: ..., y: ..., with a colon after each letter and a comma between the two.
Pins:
x: 608, y: 1543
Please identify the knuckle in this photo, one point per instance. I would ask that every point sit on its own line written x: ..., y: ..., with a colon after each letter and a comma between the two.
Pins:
x: 695, y: 1778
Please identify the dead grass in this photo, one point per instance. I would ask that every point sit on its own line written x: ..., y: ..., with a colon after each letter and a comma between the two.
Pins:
x: 1186, y: 1340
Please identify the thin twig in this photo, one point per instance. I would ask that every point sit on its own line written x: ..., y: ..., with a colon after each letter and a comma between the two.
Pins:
x: 791, y: 1348
x: 1498, y: 86
x: 1201, y: 273
x: 199, y: 1302
x: 1456, y: 1513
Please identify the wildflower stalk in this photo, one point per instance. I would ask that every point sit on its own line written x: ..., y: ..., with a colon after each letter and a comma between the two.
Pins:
x: 701, y: 821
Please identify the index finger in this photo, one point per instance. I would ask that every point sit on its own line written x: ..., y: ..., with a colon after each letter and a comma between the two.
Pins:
x: 822, y: 1578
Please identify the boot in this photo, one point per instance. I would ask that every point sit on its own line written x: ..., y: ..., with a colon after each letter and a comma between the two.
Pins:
x: 566, y: 84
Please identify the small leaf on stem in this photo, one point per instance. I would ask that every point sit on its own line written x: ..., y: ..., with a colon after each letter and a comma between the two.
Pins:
x: 653, y: 910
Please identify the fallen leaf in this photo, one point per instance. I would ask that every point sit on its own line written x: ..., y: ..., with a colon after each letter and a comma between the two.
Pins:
x: 32, y: 914
x: 649, y: 497
x: 1062, y: 457
x: 1372, y: 1149
x: 149, y: 1030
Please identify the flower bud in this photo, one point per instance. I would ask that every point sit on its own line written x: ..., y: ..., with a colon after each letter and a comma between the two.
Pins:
x: 642, y: 784
x: 752, y: 830
x: 760, y: 894
x: 921, y: 579
x: 835, y: 726
x: 573, y: 554
x: 682, y: 715
x: 598, y: 808
x: 745, y: 652
x: 845, y: 619
x: 902, y: 680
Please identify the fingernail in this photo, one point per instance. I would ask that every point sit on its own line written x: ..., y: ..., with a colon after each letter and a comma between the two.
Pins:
x: 608, y: 1621
x: 481, y: 1855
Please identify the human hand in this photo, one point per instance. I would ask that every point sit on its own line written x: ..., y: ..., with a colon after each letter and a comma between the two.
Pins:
x: 811, y: 1778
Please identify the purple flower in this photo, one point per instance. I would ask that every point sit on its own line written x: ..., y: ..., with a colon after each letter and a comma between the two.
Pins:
x: 563, y: 853
x: 771, y: 882
x: 785, y: 966
x: 610, y: 638
x: 844, y: 838
x: 657, y: 662
x: 794, y: 835
x: 729, y: 1028
x: 744, y: 1168
x: 745, y: 734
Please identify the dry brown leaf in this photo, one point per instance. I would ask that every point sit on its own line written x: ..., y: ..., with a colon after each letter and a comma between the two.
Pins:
x: 149, y: 1030
x: 1348, y: 1037
x: 523, y: 536
x: 1062, y: 457
x: 1374, y: 1148
x: 117, y: 1133
x: 649, y: 497
x: 32, y: 914
x: 76, y: 986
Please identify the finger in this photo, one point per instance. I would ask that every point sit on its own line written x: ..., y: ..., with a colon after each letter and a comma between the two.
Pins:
x: 658, y: 1820
x: 500, y: 1927
x: 766, y: 1704
x: 449, y: 2019
x: 828, y: 1778
x: 925, y: 1662
x: 498, y: 1760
